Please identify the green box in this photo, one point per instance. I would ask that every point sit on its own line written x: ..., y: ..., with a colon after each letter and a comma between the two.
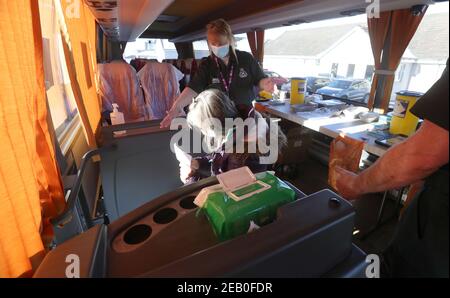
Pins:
x: 230, y: 218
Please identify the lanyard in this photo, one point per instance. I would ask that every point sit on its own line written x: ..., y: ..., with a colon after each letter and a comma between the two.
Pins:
x: 225, y: 84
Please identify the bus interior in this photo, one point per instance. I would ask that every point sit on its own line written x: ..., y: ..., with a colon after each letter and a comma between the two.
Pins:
x: 112, y: 194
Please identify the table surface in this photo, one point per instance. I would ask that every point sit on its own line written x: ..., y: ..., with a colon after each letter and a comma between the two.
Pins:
x: 330, y: 126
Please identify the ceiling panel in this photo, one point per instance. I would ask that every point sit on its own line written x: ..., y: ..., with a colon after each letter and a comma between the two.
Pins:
x: 185, y: 20
x: 187, y: 11
x: 195, y: 14
x: 293, y: 13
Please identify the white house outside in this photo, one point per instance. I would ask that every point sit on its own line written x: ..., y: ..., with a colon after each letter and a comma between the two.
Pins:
x: 346, y: 49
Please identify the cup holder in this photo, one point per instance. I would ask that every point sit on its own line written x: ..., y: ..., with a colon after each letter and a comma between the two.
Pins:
x: 165, y: 216
x: 137, y: 234
x: 188, y: 203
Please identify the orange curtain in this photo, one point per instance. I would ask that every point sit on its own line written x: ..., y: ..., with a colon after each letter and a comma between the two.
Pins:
x: 80, y: 53
x: 400, y: 26
x: 251, y: 37
x: 378, y: 29
x: 30, y: 186
x: 260, y: 46
x: 256, y: 42
x: 403, y: 26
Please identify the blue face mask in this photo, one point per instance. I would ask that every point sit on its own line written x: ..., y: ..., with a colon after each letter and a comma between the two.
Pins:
x: 222, y: 51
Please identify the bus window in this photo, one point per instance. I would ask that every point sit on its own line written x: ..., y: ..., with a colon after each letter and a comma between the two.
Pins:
x: 425, y: 59
x: 60, y: 97
x: 242, y: 43
x: 150, y: 49
x: 339, y: 50
x: 201, y: 49
x: 335, y: 51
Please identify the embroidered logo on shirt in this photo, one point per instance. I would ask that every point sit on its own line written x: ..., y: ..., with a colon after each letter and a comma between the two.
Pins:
x: 215, y: 81
x: 243, y: 74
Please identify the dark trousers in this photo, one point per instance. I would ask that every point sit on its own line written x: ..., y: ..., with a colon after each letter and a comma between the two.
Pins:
x: 420, y: 245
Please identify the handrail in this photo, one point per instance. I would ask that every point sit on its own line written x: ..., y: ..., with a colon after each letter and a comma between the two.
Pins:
x: 131, y: 130
x: 130, y: 126
x: 63, y: 218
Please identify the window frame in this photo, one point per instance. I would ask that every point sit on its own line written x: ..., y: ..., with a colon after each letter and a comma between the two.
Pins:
x: 68, y: 134
x: 58, y: 88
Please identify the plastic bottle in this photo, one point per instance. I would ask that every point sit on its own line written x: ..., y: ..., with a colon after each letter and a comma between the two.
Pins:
x: 117, y: 118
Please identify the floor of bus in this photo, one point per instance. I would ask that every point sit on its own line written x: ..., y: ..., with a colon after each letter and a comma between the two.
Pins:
x: 312, y: 177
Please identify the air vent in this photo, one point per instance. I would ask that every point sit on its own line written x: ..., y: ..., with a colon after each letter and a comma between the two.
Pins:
x: 297, y: 22
x: 167, y: 19
x: 353, y: 12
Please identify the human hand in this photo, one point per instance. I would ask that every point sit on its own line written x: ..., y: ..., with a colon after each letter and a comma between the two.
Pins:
x: 346, y: 184
x: 171, y: 114
x: 185, y: 172
x: 269, y: 84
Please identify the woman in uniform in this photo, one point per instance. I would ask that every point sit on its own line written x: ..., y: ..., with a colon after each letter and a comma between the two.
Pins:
x: 234, y: 72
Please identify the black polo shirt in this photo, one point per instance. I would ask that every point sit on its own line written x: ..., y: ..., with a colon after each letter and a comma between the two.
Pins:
x: 420, y: 247
x: 433, y: 105
x: 246, y: 75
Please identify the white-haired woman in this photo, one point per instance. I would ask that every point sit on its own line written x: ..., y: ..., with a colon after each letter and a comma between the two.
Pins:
x: 234, y: 72
x: 209, y: 113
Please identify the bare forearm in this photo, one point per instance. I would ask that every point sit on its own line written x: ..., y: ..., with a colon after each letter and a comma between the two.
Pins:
x: 184, y: 99
x: 395, y: 169
x: 413, y: 160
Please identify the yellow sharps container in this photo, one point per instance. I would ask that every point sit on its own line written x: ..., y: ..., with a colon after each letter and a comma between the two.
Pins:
x: 298, y: 90
x: 403, y: 121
